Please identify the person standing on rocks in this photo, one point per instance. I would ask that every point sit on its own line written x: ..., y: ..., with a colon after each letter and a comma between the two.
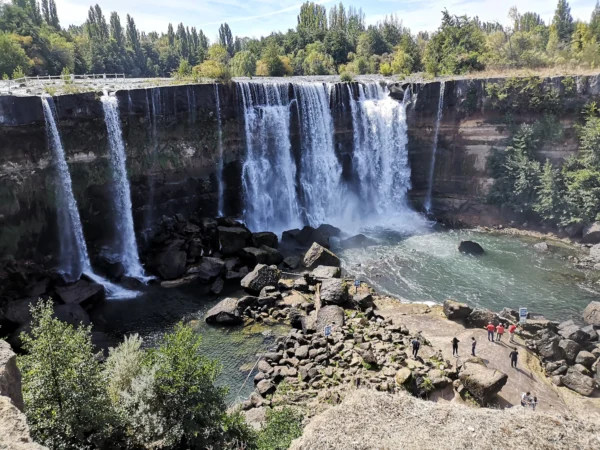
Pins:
x: 511, y: 332
x: 499, y: 332
x: 416, y: 345
x: 473, y: 345
x: 490, y: 329
x: 514, y: 355
x: 455, y: 342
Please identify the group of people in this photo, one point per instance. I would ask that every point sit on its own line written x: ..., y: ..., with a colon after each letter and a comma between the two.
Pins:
x: 500, y: 329
x: 455, y: 343
x: 528, y: 401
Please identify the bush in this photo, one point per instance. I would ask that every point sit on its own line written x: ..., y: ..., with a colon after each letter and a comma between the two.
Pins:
x: 385, y: 69
x: 214, y: 70
x: 346, y: 77
x: 123, y: 365
x: 243, y: 64
x: 281, y: 428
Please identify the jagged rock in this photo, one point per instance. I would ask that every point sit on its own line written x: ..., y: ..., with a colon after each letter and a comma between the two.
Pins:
x: 273, y: 255
x: 573, y: 333
x: 292, y: 262
x: 578, y: 382
x: 302, y: 352
x: 217, y: 286
x: 110, y: 266
x: 334, y: 291
x: 574, y: 230
x: 290, y: 235
x: 570, y: 349
x: 195, y: 249
x: 10, y: 377
x: 509, y: 314
x: 17, y: 312
x: 265, y: 238
x: 323, y: 272
x: 439, y: 379
x: 363, y: 301
x: 265, y: 387
x: 581, y: 369
x: 73, y: 314
x: 470, y: 248
x: 208, y: 269
x: 257, y: 416
x: 455, y: 310
x: 481, y: 317
x: 402, y: 376
x: 358, y: 241
x: 557, y: 380
x: 254, y: 256
x: 541, y: 247
x: 260, y: 277
x: 84, y: 293
x: 591, y: 314
x: 265, y: 367
x: 547, y: 345
x: 300, y: 284
x: 585, y: 359
x: 232, y: 239
x: 14, y: 432
x: 592, y: 334
x: 591, y: 234
x: 330, y: 314
x: 534, y: 325
x: 170, y: 264
x: 224, y: 313
x: 369, y: 358
x: 482, y: 382
x: 318, y: 255
x: 595, y: 252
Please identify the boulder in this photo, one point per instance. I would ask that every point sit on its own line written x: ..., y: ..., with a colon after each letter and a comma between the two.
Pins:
x: 329, y: 314
x: 10, y: 377
x: 592, y: 334
x: 273, y: 255
x: 72, y: 314
x: 254, y: 256
x: 591, y: 234
x: 82, y: 292
x: 482, y: 382
x: 547, y: 345
x: 14, y: 431
x: 233, y: 239
x: 534, y: 325
x: 591, y: 314
x: 260, y: 277
x: 334, y: 291
x: 578, y: 382
x: 470, y: 248
x: 290, y: 235
x: 110, y: 266
x: 318, y: 255
x: 208, y: 269
x: 402, y: 376
x: 586, y: 359
x: 224, y: 313
x: 256, y: 417
x: 265, y: 387
x: 17, y: 312
x: 541, y: 247
x: 217, y: 286
x: 509, y: 315
x: 296, y: 318
x: 595, y: 252
x: 170, y: 264
x: 574, y: 230
x: 481, y: 317
x: 573, y: 333
x: 322, y: 272
x: 358, y: 241
x: 363, y: 301
x: 570, y: 349
x: 292, y: 262
x: 456, y: 311
x: 265, y: 238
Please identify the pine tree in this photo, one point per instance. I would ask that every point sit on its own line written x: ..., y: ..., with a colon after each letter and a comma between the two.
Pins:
x: 54, y: 15
x: 170, y: 36
x: 563, y: 21
x: 226, y: 38
x: 116, y: 30
x: 595, y: 21
x: 46, y: 11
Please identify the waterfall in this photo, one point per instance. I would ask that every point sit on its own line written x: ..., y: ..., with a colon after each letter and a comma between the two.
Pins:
x: 434, y: 149
x: 380, y: 149
x: 191, y: 101
x: 320, y: 171
x: 269, y: 172
x: 73, y: 250
x: 127, y: 246
x: 220, y: 181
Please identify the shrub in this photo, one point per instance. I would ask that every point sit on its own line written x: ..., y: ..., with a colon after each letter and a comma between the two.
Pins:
x: 346, y: 77
x: 281, y: 428
x: 212, y: 69
x: 385, y: 69
x: 123, y: 365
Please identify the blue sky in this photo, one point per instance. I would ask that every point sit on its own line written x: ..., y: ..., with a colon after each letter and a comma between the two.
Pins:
x: 256, y: 18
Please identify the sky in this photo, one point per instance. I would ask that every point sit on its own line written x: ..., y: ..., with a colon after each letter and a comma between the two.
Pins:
x: 255, y: 18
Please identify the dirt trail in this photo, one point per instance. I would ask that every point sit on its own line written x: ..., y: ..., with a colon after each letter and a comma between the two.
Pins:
x: 527, y: 377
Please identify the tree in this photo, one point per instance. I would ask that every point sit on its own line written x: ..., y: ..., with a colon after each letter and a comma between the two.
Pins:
x: 595, y: 21
x: 563, y: 21
x: 54, y: 16
x: 312, y: 21
x: 317, y: 62
x: 243, y: 64
x: 63, y: 387
x: 217, y: 52
x: 116, y: 30
x: 271, y: 62
x: 226, y: 38
x: 12, y: 55
x: 549, y: 195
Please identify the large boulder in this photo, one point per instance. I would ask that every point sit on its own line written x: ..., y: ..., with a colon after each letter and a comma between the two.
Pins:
x: 570, y: 349
x: 547, y: 345
x: 456, y: 311
x: 591, y: 314
x: 470, y: 248
x: 578, y: 382
x: 261, y: 276
x: 73, y: 314
x: 14, y: 431
x: 482, y: 382
x: 334, y: 291
x: 573, y: 333
x: 224, y: 313
x: 358, y: 241
x: 82, y: 292
x: 10, y: 377
x: 595, y: 252
x: 274, y: 257
x: 585, y: 358
x: 170, y: 264
x: 233, y: 239
x: 317, y: 255
x: 208, y: 269
x: 254, y: 256
x: 591, y: 234
x: 264, y: 238
x: 329, y: 314
x: 323, y: 272
x: 481, y: 317
x: 17, y: 312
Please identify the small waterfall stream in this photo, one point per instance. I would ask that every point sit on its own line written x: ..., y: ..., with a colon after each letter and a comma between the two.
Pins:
x: 126, y: 245
x: 436, y: 133
x: 220, y: 165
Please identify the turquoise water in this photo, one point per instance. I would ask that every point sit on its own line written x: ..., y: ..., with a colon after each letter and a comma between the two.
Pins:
x: 428, y: 267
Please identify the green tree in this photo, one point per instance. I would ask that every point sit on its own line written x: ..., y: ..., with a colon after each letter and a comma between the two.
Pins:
x: 226, y: 38
x: 63, y: 386
x: 243, y: 64
x: 281, y: 428
x: 595, y: 21
x: 549, y: 203
x: 563, y: 21
x: 312, y: 21
x: 12, y: 54
x: 317, y: 61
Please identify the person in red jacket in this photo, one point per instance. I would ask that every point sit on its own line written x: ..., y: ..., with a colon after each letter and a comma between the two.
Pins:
x: 511, y: 333
x: 490, y: 329
x: 499, y: 332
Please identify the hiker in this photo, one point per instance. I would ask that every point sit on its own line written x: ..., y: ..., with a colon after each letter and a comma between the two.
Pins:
x: 525, y: 399
x: 415, y: 347
x: 499, y: 332
x: 513, y: 357
x: 534, y: 403
x: 473, y: 345
x: 455, y: 342
x: 490, y: 328
x: 511, y: 333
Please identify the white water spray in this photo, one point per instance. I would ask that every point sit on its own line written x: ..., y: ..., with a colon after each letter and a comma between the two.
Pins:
x: 434, y: 149
x: 220, y: 181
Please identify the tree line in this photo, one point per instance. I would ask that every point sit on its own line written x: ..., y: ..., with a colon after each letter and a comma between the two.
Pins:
x: 338, y: 40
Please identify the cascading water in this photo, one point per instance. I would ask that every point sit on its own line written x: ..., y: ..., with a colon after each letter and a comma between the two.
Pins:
x: 220, y: 181
x: 191, y: 100
x: 127, y: 246
x: 436, y: 132
x: 269, y: 172
x: 380, y: 149
x: 73, y: 250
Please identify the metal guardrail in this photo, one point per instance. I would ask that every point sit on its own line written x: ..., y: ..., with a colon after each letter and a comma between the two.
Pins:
x: 9, y: 85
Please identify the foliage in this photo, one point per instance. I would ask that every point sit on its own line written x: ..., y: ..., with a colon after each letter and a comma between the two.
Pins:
x: 526, y: 94
x: 12, y: 56
x: 63, y: 385
x: 243, y: 64
x: 281, y: 428
x: 212, y: 69
x: 346, y: 77
x: 123, y: 365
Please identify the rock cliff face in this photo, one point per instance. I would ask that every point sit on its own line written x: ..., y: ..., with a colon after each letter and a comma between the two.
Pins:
x: 172, y: 150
